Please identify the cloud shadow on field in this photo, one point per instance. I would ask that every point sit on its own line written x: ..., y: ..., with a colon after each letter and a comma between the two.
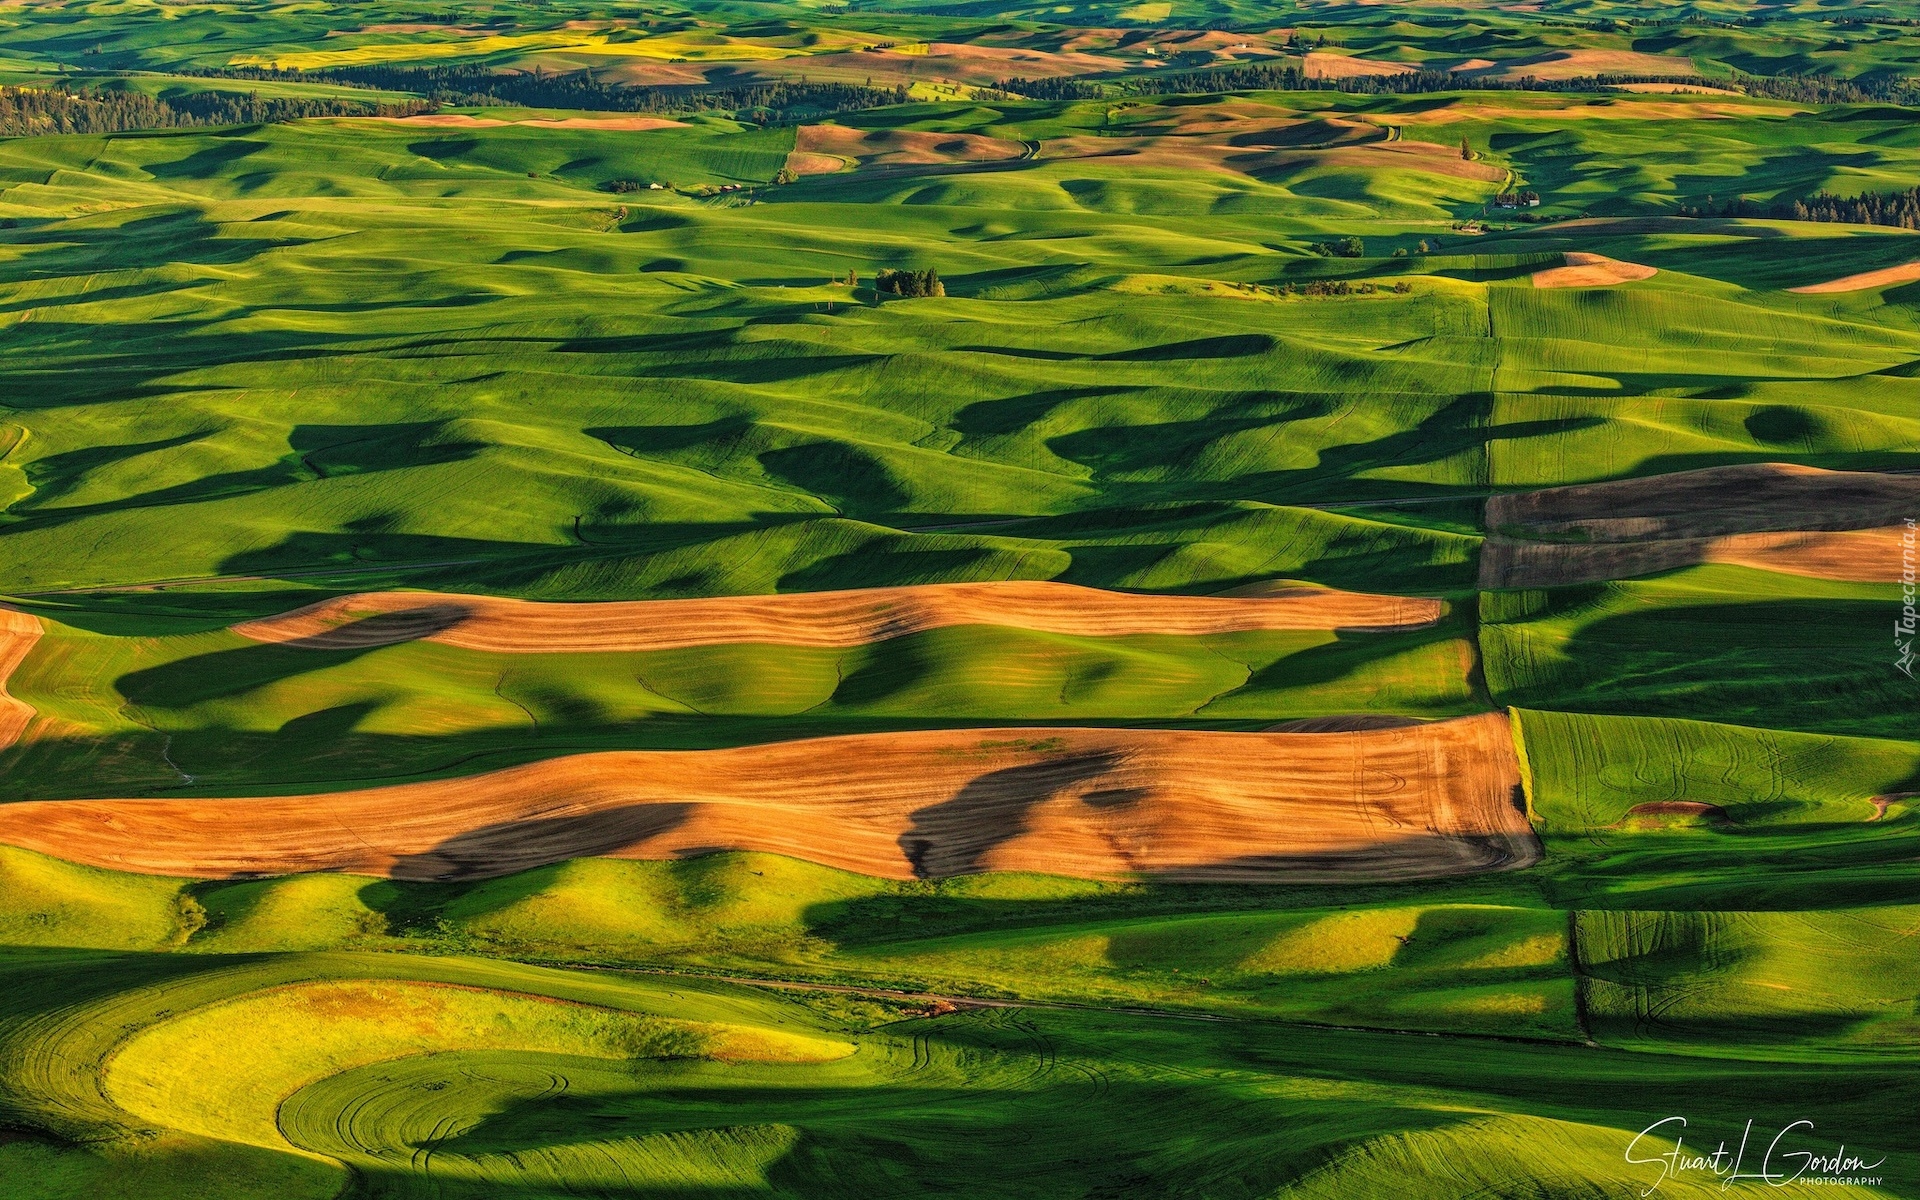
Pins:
x: 511, y: 846
x: 225, y: 674
x: 954, y: 836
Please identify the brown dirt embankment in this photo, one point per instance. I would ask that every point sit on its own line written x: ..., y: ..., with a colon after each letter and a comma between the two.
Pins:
x: 1421, y: 802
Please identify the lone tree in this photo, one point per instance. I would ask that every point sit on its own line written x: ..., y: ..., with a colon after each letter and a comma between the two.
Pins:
x: 1466, y: 149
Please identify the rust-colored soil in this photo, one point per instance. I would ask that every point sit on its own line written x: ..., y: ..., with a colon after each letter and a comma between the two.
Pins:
x: 1427, y: 801
x: 848, y: 618
x: 18, y: 633
x: 1904, y: 273
x: 1590, y: 270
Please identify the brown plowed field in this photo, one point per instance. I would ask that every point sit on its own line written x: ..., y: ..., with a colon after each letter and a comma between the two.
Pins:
x: 18, y: 632
x: 1590, y: 270
x: 1711, y: 502
x: 1318, y: 64
x: 1853, y: 556
x: 848, y: 618
x: 1579, y: 64
x: 1432, y: 800
x: 1904, y: 273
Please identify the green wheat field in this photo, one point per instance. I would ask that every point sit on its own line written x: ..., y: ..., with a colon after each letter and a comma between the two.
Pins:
x: 1083, y: 601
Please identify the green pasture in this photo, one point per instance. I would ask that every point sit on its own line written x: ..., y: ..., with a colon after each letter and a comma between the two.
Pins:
x: 465, y: 1077
x: 1718, y: 643
x: 266, y: 348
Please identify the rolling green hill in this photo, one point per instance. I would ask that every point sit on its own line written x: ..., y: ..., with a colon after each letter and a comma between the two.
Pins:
x: 630, y: 343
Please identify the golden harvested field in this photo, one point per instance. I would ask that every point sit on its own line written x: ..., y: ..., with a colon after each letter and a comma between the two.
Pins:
x: 1590, y: 270
x: 1417, y: 802
x: 1904, y: 273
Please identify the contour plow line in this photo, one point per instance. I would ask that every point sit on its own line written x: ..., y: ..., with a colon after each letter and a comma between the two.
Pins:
x: 18, y: 633
x: 835, y: 619
x: 1420, y: 802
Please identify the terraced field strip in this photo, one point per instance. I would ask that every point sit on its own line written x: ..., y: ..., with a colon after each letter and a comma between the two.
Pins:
x: 18, y: 633
x: 1418, y: 802
x: 836, y: 619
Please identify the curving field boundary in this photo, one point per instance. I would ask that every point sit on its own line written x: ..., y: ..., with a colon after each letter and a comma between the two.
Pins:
x: 18, y: 633
x: 836, y: 619
x: 1420, y: 802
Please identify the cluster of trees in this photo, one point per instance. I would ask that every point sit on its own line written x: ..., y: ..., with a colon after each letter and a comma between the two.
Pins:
x: 1814, y: 89
x: 1526, y: 199
x: 1342, y: 287
x: 1898, y: 209
x: 890, y: 282
x: 470, y: 84
x: 25, y: 112
x: 1346, y: 247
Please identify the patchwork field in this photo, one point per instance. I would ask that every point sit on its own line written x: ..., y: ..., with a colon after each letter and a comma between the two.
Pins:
x: 1094, y: 600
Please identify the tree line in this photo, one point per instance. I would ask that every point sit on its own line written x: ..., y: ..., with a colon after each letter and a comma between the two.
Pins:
x: 479, y: 86
x: 1290, y: 77
x: 1898, y: 209
x: 25, y: 112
